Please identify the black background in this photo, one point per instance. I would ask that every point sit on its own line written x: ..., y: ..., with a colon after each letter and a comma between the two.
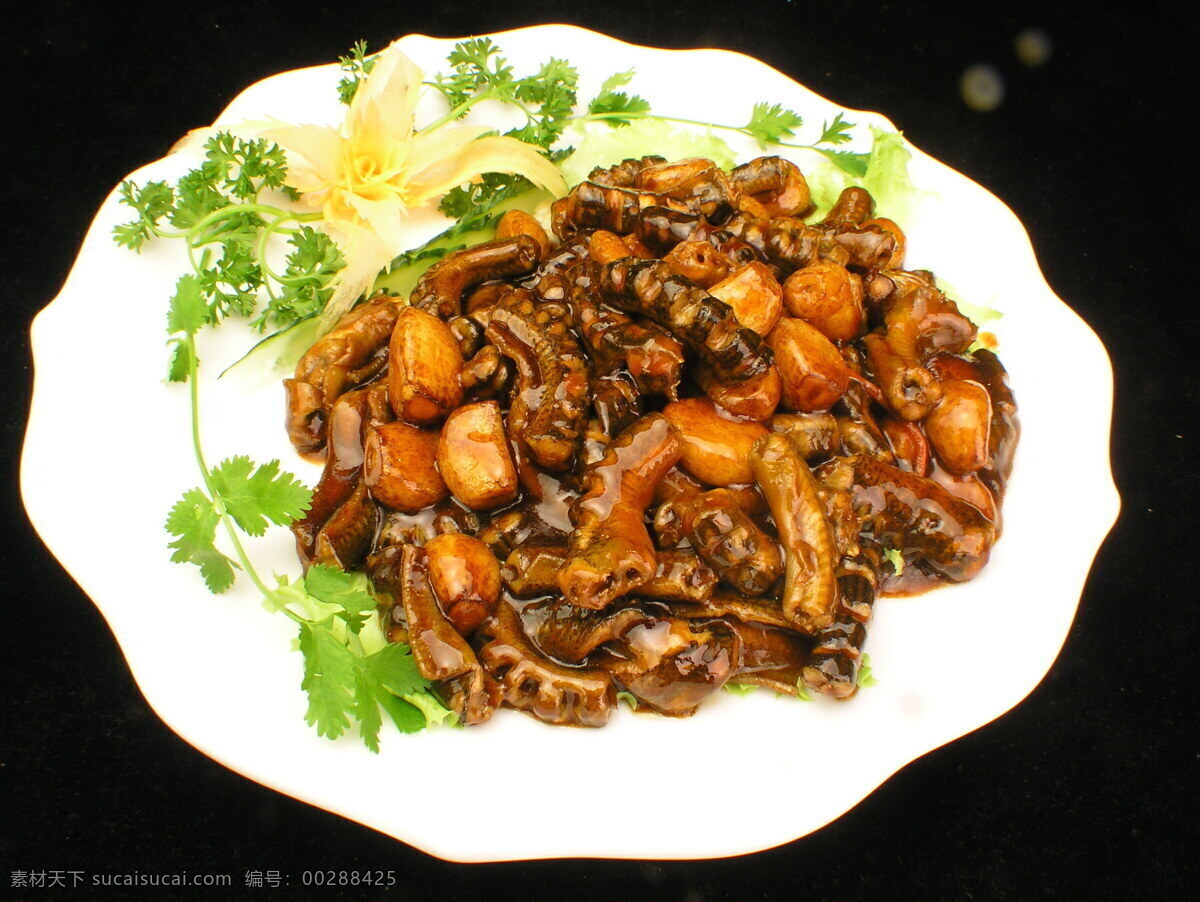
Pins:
x: 1084, y: 788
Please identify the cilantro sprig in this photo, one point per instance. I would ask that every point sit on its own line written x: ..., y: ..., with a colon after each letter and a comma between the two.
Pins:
x: 351, y: 672
x: 769, y: 124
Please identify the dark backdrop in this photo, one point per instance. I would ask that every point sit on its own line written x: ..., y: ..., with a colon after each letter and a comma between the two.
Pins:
x: 1081, y: 789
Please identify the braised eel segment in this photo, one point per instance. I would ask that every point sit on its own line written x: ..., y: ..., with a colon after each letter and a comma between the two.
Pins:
x: 697, y: 182
x: 771, y: 655
x: 349, y: 421
x: 785, y: 242
x: 651, y: 356
x: 836, y: 659
x: 590, y: 206
x: 440, y: 290
x: 672, y: 664
x: 706, y: 325
x: 531, y: 571
x: 440, y: 653
x: 1005, y: 426
x: 610, y: 550
x: 934, y: 530
x: 731, y: 543
x: 551, y: 400
x: 530, y: 681
x: 623, y: 174
x: 351, y: 353
x: 570, y: 634
x: 345, y: 538
x: 786, y: 482
x: 775, y: 184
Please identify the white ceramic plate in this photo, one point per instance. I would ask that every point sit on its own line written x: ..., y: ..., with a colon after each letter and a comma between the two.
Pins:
x: 220, y: 671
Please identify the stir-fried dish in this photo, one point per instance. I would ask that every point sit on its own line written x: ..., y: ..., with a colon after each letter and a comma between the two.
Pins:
x: 687, y: 440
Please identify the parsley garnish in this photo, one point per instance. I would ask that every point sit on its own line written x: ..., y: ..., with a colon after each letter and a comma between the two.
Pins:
x: 220, y: 212
x: 357, y: 65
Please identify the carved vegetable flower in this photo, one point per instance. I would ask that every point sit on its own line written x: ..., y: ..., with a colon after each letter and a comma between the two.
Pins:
x: 367, y: 175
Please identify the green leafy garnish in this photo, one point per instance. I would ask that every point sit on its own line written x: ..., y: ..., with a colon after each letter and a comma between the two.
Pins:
x: 802, y: 692
x: 357, y: 65
x: 866, y: 678
x: 837, y: 131
x: 740, y: 688
x: 480, y: 72
x: 895, y: 558
x: 194, y: 521
x: 770, y: 124
x: 220, y: 212
x: 617, y: 107
x: 344, y: 684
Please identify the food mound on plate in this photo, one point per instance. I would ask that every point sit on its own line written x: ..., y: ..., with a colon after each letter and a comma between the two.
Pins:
x: 685, y: 442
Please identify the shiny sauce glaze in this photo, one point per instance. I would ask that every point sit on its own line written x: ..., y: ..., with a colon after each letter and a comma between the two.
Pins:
x: 687, y: 440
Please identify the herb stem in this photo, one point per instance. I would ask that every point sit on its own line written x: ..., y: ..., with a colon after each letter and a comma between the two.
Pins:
x: 206, y: 475
x: 627, y: 115
x: 457, y: 111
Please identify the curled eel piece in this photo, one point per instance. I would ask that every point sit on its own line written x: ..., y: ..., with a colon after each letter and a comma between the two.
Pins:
x: 1005, y: 427
x: 902, y: 510
x: 590, y: 206
x: 697, y: 182
x: 530, y: 681
x: 351, y: 415
x: 352, y: 352
x: 617, y: 403
x: 569, y: 634
x: 440, y: 289
x: 859, y: 431
x: 911, y: 390
x: 702, y: 322
x: 809, y: 552
x: 787, y: 242
x: 531, y: 571
x: 772, y: 656
x: 346, y: 537
x: 832, y: 668
x: 551, y: 400
x: 730, y: 542
x: 532, y: 521
x: 672, y: 664
x: 662, y: 227
x: 854, y: 206
x: 919, y: 320
x: 623, y: 174
x: 653, y: 357
x: 774, y: 182
x: 440, y: 653
x: 725, y: 603
x: 868, y: 245
x: 610, y: 550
